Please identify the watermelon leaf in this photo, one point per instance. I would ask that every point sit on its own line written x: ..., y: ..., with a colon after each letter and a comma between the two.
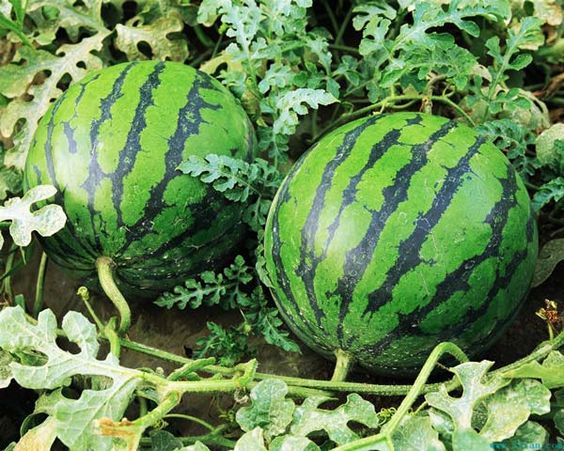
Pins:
x: 527, y: 36
x: 269, y: 409
x: 71, y: 420
x: 276, y: 36
x: 550, y: 147
x: 308, y: 418
x: 551, y: 371
x: 66, y: 15
x: 251, y: 441
x: 230, y: 176
x: 156, y: 35
x: 415, y: 433
x: 17, y: 79
x: 165, y: 441
x: 211, y: 288
x: 5, y: 370
x: 287, y: 442
x: 198, y: 446
x: 46, y: 221
x: 282, y: 423
x: 530, y: 432
x: 549, y: 192
x: 291, y: 104
x: 512, y: 138
x: 268, y: 323
x: 550, y: 255
x: 474, y: 390
x: 252, y: 183
x: 521, y: 398
x: 559, y: 411
x: 229, y: 345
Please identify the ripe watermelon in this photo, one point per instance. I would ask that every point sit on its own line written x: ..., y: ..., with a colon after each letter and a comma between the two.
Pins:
x: 396, y: 232
x: 111, y: 145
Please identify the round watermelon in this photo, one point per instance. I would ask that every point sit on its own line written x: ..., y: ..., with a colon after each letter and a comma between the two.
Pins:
x: 396, y: 232
x: 111, y: 145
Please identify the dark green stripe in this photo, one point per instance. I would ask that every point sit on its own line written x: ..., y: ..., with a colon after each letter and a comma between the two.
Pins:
x: 502, y: 282
x: 457, y: 280
x: 188, y: 124
x: 358, y: 258
x: 409, y: 249
x: 281, y: 277
x: 59, y: 195
x: 69, y: 131
x: 132, y: 146
x: 308, y: 260
x: 95, y: 172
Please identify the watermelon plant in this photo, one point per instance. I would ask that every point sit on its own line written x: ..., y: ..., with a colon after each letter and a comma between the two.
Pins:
x: 396, y: 232
x: 111, y: 145
x: 210, y: 364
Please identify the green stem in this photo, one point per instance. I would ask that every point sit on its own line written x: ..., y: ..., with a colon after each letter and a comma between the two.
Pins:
x: 84, y: 295
x: 540, y: 352
x: 109, y: 332
x: 391, y: 100
x: 217, y: 46
x: 395, y: 99
x: 204, y: 56
x: 555, y: 51
x: 344, y: 24
x: 385, y: 435
x: 342, y: 366
x: 104, y: 266
x: 344, y: 48
x: 38, y: 302
x: 203, y: 37
x: 558, y: 101
x: 297, y: 386
x: 7, y: 275
x: 142, y: 405
x: 201, y: 422
x: 332, y: 19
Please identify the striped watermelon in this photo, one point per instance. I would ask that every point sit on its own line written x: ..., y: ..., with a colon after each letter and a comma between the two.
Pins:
x: 111, y: 145
x: 396, y: 232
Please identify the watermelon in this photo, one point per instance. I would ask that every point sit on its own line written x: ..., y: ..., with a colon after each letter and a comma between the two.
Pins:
x: 111, y: 145
x: 396, y: 232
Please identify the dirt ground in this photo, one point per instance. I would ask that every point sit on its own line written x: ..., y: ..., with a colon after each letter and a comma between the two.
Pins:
x: 177, y: 331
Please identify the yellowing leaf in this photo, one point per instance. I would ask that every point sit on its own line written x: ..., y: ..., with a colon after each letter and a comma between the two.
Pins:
x: 22, y: 76
x: 156, y: 36
x: 40, y: 437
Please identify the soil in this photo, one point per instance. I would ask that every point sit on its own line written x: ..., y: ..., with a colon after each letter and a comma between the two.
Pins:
x: 177, y: 331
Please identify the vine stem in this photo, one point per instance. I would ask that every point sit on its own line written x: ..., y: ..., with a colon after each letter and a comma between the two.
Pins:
x: 385, y: 435
x: 104, y: 266
x: 38, y: 301
x: 395, y: 99
x: 344, y: 24
x: 294, y: 383
x: 310, y: 387
x: 7, y: 273
x: 342, y: 366
x: 132, y: 431
x: 197, y: 420
x: 392, y: 99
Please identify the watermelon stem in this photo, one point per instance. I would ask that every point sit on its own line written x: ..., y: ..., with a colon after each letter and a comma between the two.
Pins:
x: 385, y: 434
x: 104, y: 266
x: 342, y: 366
x: 38, y: 301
